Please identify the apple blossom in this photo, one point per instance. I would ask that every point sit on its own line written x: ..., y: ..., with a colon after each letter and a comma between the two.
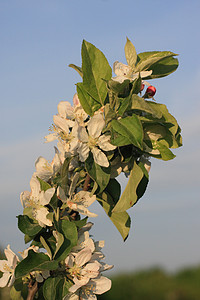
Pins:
x: 7, y: 267
x: 37, y: 201
x: 93, y: 141
x: 124, y: 72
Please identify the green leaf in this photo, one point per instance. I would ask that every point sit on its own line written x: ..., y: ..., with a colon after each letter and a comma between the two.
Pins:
x: 130, y: 128
x: 80, y: 223
x: 163, y: 68
x: 89, y: 104
x: 53, y: 288
x: 28, y: 226
x: 114, y: 189
x: 124, y: 106
x: 166, y: 116
x: 136, y: 85
x: 95, y: 67
x: 121, y: 220
x: 69, y: 231
x: 33, y: 262
x: 43, y: 185
x: 130, y: 195
x: 139, y: 103
x: 76, y: 68
x: 101, y: 175
x: 45, y: 245
x: 122, y: 90
x: 131, y: 54
x: 60, y: 241
x: 64, y: 174
x: 165, y: 152
x: 147, y: 59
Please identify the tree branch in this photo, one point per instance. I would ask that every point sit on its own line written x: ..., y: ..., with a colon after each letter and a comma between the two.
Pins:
x: 32, y: 290
x: 86, y: 183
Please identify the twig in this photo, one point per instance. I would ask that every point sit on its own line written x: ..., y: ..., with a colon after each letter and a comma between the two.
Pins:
x: 86, y: 183
x: 32, y: 290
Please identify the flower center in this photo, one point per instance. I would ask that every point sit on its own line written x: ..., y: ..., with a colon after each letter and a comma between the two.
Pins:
x: 7, y: 268
x: 92, y: 142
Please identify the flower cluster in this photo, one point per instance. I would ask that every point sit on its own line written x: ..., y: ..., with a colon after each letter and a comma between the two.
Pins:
x: 84, y: 265
x: 111, y: 128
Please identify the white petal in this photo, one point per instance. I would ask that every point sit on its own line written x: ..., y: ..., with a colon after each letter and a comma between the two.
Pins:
x: 81, y: 209
x: 51, y: 137
x: 63, y: 124
x: 99, y: 157
x: 91, y: 270
x: 24, y: 198
x: 35, y: 187
x: 41, y: 216
x: 145, y: 73
x: 121, y: 69
x: 61, y: 194
x: 10, y: 255
x: 46, y: 196
x: 83, y: 257
x: 99, y: 245
x: 104, y: 144
x: 4, y: 279
x: 12, y: 280
x: 69, y: 261
x: 82, y: 134
x: 83, y: 151
x: 74, y: 288
x: 105, y: 267
x: 65, y: 109
x: 81, y: 281
x: 96, y: 125
x: 57, y: 161
x: 71, y: 297
x: 83, y: 197
x: 101, y: 285
x: 76, y: 100
x: 3, y: 262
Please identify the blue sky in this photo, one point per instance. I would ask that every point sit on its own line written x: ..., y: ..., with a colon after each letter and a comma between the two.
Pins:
x: 38, y: 40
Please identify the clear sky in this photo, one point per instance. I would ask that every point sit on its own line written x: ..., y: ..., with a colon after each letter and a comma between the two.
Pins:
x: 38, y: 39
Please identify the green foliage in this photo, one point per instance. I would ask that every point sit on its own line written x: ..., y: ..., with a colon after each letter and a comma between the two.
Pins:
x: 28, y: 226
x: 134, y: 189
x: 55, y: 288
x: 131, y: 54
x: 139, y: 128
x: 100, y: 175
x: 127, y: 131
x: 33, y: 262
x: 93, y: 91
x: 69, y: 232
x: 162, y: 63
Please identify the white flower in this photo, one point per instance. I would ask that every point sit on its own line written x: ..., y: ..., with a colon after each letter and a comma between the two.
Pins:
x: 44, y: 169
x: 89, y: 291
x: 66, y: 124
x: 80, y: 267
x: 75, y: 112
x: 79, y: 202
x: 37, y: 199
x: 7, y: 267
x: 93, y: 141
x: 124, y: 72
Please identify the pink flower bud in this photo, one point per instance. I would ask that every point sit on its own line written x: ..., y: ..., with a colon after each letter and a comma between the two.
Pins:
x: 142, y: 87
x: 150, y: 92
